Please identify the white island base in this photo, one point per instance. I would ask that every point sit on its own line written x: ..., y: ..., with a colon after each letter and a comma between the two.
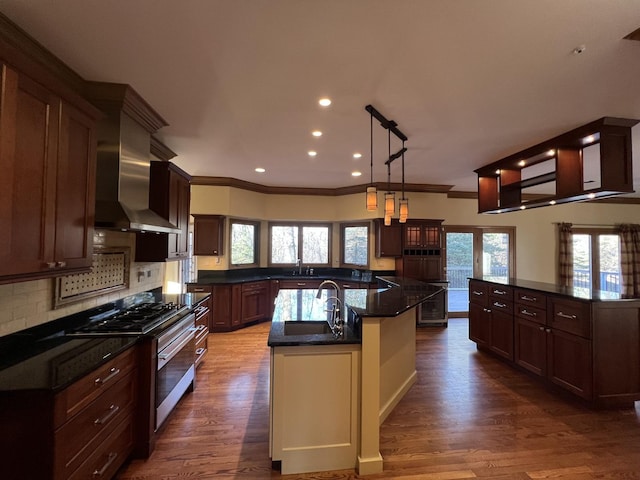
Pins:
x: 328, y: 401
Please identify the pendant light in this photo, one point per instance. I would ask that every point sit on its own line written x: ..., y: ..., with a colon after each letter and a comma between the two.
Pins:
x: 389, y: 197
x: 372, y: 192
x: 403, y: 204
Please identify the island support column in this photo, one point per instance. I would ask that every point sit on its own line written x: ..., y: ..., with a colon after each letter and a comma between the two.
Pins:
x: 388, y: 372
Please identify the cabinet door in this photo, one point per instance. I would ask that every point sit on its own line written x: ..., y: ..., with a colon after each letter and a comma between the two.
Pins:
x: 221, y: 313
x: 75, y: 193
x: 412, y: 236
x: 208, y: 234
x: 28, y: 146
x: 413, y: 267
x: 432, y: 268
x: 569, y: 362
x: 530, y: 349
x: 479, y: 325
x: 388, y: 239
x: 502, y: 333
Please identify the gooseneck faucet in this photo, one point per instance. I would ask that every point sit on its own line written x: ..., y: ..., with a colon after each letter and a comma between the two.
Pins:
x: 336, y: 323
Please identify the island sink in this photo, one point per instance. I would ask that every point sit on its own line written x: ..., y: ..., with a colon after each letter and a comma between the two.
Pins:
x: 311, y: 327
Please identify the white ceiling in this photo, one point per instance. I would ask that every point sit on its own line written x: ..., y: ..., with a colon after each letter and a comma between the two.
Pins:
x: 468, y: 81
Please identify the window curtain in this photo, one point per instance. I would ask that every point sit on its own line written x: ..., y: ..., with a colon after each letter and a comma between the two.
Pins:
x: 565, y: 255
x: 630, y: 259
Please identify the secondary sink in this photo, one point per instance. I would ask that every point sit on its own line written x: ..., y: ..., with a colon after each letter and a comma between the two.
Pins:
x: 298, y: 327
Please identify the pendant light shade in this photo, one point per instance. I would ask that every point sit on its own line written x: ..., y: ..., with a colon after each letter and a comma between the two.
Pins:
x: 403, y: 207
x: 389, y: 203
x: 372, y: 199
x: 387, y: 220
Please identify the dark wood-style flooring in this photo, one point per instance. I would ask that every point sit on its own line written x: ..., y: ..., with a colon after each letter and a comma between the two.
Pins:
x: 468, y: 416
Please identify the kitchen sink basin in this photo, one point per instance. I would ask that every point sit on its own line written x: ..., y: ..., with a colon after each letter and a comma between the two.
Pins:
x: 297, y: 327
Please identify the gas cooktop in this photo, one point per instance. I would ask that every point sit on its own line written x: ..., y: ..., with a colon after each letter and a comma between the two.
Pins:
x: 135, y: 320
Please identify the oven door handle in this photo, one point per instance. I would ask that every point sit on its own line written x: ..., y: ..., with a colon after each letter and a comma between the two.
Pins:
x: 174, y: 347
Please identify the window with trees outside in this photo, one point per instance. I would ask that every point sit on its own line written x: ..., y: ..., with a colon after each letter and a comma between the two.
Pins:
x: 245, y: 243
x: 308, y: 243
x: 596, y: 259
x: 354, y: 243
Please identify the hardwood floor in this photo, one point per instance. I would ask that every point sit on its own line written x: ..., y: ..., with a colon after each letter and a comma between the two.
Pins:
x: 468, y: 416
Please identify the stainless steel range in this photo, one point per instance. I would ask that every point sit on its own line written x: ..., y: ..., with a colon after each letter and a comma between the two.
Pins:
x: 168, y: 332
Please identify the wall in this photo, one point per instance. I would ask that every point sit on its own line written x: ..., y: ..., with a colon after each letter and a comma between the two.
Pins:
x: 535, y: 229
x: 27, y: 304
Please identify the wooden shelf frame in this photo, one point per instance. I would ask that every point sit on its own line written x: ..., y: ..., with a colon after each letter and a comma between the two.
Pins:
x: 500, y: 183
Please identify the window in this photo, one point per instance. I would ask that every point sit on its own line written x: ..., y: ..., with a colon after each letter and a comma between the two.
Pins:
x: 292, y: 242
x: 245, y: 236
x: 596, y: 259
x: 354, y: 243
x: 487, y: 252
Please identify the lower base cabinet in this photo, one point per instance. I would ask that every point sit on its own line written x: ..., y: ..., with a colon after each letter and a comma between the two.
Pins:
x: 203, y: 315
x: 85, y: 431
x: 589, y: 348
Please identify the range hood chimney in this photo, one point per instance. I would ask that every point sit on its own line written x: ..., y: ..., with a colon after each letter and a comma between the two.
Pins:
x: 124, y: 159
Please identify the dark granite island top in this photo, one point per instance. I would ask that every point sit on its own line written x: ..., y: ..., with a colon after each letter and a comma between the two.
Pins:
x: 579, y: 293
x: 301, y: 305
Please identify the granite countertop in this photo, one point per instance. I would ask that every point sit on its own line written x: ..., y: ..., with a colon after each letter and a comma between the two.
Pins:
x: 215, y: 277
x: 44, y: 358
x: 578, y: 293
x: 294, y: 305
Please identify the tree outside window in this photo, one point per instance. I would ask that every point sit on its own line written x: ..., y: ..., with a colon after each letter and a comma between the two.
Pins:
x: 355, y: 244
x: 309, y: 243
x: 244, y: 243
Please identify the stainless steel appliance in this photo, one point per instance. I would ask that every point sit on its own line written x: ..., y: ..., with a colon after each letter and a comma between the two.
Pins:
x: 434, y: 310
x: 175, y: 365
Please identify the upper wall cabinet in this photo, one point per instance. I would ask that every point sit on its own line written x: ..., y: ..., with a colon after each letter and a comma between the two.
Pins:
x: 169, y: 197
x: 208, y: 234
x: 47, y: 158
x: 592, y: 161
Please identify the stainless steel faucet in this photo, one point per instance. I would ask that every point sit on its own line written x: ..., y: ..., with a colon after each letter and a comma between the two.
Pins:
x: 336, y: 323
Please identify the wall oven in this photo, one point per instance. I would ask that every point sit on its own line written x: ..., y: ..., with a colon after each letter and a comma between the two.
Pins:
x: 175, y: 366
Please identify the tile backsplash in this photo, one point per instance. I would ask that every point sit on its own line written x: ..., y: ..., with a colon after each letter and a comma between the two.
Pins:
x: 27, y: 304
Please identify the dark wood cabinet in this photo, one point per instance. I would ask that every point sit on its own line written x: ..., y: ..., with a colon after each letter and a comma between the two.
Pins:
x: 591, y: 161
x: 87, y: 427
x: 47, y: 156
x: 388, y: 238
x: 588, y: 348
x: 422, y: 256
x: 169, y: 197
x: 208, y: 234
x: 255, y: 301
x: 203, y: 319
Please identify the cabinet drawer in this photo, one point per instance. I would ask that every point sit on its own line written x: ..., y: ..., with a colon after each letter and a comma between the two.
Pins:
x: 105, y: 461
x: 79, y: 437
x: 202, y: 315
x: 479, y: 293
x: 533, y: 314
x: 251, y: 286
x: 84, y: 391
x: 500, y: 291
x: 530, y: 297
x: 571, y: 316
x: 201, y: 331
x: 202, y: 347
x: 299, y: 284
x: 500, y: 304
x: 199, y: 288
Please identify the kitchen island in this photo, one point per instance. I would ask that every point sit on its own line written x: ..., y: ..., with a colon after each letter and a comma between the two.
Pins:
x: 329, y: 395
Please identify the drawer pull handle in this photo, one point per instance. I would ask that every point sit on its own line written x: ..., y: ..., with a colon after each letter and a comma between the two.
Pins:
x: 528, y: 299
x: 110, y: 459
x: 200, y: 351
x: 499, y: 305
x: 499, y: 292
x: 524, y: 311
x: 112, y: 373
x: 475, y: 292
x: 198, y: 289
x: 199, y: 328
x: 548, y: 330
x: 488, y: 310
x: 113, y: 409
x: 301, y: 284
x: 541, y: 329
x: 564, y: 315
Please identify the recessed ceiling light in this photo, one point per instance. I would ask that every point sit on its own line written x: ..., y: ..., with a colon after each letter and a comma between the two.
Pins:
x: 356, y: 174
x: 589, y: 139
x: 260, y: 170
x: 498, y: 172
x: 324, y: 102
x: 357, y: 155
x: 312, y: 153
x: 551, y: 153
x: 522, y: 163
x: 316, y: 133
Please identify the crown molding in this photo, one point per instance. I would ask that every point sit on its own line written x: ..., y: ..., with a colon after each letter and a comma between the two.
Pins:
x: 161, y: 151
x: 330, y: 192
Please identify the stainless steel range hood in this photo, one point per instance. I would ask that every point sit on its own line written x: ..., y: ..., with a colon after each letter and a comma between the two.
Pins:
x: 122, y: 177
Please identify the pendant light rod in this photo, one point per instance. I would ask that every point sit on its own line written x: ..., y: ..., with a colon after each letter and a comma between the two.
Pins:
x: 395, y: 156
x: 402, y: 153
x: 388, y: 124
